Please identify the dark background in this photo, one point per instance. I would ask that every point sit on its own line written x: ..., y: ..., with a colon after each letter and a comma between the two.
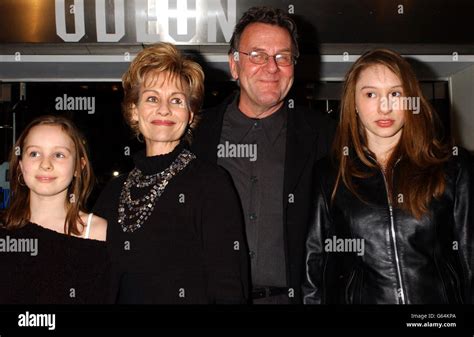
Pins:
x: 326, y: 27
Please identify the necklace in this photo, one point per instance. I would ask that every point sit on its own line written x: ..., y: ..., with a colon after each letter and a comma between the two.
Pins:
x: 133, y: 213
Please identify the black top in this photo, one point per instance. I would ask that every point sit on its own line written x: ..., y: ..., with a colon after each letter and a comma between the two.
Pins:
x: 41, y: 266
x: 253, y: 152
x: 191, y: 249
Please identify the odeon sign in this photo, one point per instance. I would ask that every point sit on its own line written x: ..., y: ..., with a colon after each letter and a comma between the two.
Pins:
x: 188, y: 21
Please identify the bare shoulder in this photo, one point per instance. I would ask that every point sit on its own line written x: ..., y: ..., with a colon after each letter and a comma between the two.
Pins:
x: 98, y: 229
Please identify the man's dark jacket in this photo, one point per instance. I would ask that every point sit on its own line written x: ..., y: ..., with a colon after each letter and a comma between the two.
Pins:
x: 309, y: 138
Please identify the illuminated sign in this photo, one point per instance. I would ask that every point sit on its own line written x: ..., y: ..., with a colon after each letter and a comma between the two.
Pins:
x: 202, y: 22
x: 189, y: 21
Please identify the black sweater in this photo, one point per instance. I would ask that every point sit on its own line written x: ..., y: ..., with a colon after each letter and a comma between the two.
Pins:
x: 57, y: 269
x: 191, y: 249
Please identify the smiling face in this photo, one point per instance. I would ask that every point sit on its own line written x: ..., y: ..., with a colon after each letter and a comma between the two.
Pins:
x: 263, y: 87
x: 162, y: 113
x: 47, y: 162
x: 378, y: 92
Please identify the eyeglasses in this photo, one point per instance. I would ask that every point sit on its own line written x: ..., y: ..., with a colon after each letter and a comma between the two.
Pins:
x: 260, y: 57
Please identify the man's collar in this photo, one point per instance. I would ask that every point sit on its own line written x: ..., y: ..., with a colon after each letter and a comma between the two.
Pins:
x: 242, y: 124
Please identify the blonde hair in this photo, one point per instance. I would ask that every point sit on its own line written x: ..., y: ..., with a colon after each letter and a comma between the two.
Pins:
x: 160, y: 58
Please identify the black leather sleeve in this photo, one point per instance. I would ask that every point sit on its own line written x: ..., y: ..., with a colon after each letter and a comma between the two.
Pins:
x: 312, y: 287
x: 464, y: 221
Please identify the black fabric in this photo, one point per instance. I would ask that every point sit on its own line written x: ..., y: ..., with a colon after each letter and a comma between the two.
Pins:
x: 430, y: 261
x: 309, y: 137
x: 254, y: 177
x: 240, y: 125
x: 154, y: 164
x: 192, y: 247
x: 66, y: 269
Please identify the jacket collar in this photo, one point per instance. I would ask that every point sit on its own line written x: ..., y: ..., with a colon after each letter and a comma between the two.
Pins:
x: 300, y: 140
x: 356, y: 159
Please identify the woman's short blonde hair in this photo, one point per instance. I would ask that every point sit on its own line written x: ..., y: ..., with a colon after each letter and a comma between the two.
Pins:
x: 156, y: 59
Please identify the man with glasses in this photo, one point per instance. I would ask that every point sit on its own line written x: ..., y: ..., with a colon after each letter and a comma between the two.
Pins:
x: 269, y: 148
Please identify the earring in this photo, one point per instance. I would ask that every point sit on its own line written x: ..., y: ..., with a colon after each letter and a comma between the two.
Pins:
x: 19, y: 180
x: 140, y: 139
x: 357, y: 111
x: 189, y: 131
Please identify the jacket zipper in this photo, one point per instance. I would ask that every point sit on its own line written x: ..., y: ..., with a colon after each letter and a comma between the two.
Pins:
x: 400, y: 290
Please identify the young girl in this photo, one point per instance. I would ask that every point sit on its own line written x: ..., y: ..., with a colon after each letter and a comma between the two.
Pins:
x: 394, y: 205
x: 51, y: 251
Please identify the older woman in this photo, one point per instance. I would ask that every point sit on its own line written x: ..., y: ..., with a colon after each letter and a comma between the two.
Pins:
x: 175, y: 225
x: 394, y: 208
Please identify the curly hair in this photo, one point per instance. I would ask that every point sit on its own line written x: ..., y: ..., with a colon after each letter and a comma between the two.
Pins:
x: 159, y: 58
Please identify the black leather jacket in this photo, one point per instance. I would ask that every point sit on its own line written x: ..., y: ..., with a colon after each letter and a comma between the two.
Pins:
x: 403, y: 260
